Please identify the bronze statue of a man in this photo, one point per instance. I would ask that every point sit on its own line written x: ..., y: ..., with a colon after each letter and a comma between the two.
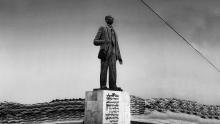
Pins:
x: 109, y: 53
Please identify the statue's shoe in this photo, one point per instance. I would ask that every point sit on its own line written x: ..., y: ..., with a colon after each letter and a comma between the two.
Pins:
x: 116, y: 89
x: 104, y: 88
x: 119, y: 89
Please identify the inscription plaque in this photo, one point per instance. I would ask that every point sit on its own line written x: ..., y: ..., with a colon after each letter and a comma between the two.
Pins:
x: 112, y: 108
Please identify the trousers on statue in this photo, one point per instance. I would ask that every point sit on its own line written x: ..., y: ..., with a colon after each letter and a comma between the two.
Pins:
x: 108, y: 64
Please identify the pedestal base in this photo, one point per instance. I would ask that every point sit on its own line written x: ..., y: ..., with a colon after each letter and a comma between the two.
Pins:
x: 107, y: 107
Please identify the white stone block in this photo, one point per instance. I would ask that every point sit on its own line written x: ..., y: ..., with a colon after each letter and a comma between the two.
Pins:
x: 107, y: 107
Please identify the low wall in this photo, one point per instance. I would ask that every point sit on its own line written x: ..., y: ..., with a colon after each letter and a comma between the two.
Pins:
x: 146, y: 110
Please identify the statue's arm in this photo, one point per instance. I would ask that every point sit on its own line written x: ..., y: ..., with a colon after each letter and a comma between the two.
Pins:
x: 119, y: 56
x: 119, y: 53
x: 98, y: 41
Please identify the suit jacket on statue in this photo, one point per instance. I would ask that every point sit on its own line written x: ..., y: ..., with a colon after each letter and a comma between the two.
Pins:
x: 101, y: 39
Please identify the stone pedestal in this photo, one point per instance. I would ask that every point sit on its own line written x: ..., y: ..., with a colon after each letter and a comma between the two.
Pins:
x: 107, y: 107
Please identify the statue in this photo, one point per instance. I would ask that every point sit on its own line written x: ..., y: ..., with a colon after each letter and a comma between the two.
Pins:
x: 109, y: 53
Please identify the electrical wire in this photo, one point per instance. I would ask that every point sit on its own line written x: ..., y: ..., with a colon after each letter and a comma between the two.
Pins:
x: 184, y: 39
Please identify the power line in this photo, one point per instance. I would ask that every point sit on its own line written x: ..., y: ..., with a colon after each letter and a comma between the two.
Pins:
x: 184, y: 39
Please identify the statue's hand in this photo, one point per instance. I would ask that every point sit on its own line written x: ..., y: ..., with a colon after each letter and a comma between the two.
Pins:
x: 120, y: 61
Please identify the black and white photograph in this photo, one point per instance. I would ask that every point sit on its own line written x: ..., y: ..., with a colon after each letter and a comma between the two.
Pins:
x: 109, y: 62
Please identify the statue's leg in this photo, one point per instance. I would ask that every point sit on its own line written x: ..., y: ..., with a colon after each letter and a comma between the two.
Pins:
x: 103, y: 73
x: 112, y: 74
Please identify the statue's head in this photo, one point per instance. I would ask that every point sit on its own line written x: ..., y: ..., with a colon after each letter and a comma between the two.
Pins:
x: 109, y: 19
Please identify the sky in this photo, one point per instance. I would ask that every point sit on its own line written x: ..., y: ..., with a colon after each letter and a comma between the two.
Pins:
x: 47, y: 51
